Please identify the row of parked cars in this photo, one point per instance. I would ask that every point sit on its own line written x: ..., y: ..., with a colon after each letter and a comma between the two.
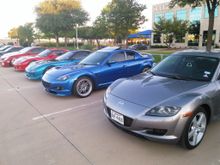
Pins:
x: 174, y: 101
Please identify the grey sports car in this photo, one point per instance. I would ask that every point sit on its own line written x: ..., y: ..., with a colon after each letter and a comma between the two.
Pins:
x: 173, y: 102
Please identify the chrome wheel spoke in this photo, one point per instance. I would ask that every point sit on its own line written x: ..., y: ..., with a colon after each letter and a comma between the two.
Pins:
x: 197, y: 129
x: 84, y: 87
x: 191, y: 133
x: 201, y: 119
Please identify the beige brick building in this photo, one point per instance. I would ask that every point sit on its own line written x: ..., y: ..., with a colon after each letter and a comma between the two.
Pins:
x: 198, y: 14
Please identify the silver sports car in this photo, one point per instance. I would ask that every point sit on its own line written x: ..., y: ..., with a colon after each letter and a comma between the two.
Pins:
x: 173, y: 102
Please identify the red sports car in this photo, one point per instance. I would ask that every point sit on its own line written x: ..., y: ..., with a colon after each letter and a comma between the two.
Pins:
x: 49, y: 54
x: 6, y: 59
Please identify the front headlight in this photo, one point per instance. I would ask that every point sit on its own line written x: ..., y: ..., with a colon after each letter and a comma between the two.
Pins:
x: 63, y: 78
x: 163, y: 111
x: 108, y: 91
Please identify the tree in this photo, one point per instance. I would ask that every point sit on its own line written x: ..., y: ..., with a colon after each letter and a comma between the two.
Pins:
x: 170, y: 29
x: 100, y: 29
x: 26, y: 34
x: 13, y: 33
x: 123, y: 16
x: 59, y: 17
x: 211, y: 5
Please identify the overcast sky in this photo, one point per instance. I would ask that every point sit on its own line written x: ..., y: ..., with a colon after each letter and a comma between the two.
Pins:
x: 18, y: 12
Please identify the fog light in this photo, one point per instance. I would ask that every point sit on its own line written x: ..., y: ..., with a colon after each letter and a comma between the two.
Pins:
x: 59, y: 88
x: 158, y: 132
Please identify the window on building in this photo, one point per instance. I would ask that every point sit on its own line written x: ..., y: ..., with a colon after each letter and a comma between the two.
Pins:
x: 219, y: 37
x: 157, y: 38
x: 180, y: 38
x: 195, y: 14
x: 207, y: 14
x: 205, y: 38
x: 181, y: 14
x: 157, y: 17
x: 169, y: 15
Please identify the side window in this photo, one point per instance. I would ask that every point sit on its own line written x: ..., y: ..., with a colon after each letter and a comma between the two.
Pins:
x: 37, y: 50
x: 130, y: 55
x: 118, y: 57
x: 59, y: 52
x: 80, y: 55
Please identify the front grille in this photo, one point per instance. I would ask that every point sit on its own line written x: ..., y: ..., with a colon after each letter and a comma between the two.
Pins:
x: 46, y: 84
x: 127, y: 120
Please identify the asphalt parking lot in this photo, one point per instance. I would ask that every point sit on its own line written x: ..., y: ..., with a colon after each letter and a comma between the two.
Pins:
x: 37, y: 128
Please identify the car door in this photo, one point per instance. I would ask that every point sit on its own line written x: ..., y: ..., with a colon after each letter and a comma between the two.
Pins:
x: 133, y: 65
x: 114, y: 69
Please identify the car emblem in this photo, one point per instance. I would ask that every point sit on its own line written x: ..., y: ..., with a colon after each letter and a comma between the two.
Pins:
x: 121, y: 102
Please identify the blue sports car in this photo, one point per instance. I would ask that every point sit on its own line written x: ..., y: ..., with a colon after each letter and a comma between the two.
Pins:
x: 36, y: 70
x: 98, y: 70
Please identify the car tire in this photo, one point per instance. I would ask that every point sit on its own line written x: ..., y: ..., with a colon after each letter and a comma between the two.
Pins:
x: 195, y: 129
x: 83, y: 87
x: 146, y: 69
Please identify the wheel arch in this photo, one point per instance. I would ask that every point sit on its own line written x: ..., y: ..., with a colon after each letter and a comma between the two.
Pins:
x: 208, y: 110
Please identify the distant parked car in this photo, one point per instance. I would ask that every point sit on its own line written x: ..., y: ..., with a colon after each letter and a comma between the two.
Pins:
x: 98, y: 70
x: 6, y: 59
x: 36, y: 70
x: 138, y: 47
x: 175, y: 101
x: 11, y: 49
x: 49, y: 54
x: 3, y: 48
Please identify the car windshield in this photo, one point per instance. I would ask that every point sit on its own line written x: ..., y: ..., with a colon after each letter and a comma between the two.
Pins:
x: 184, y: 67
x: 4, y: 47
x: 25, y: 50
x: 65, y: 56
x: 8, y: 49
x: 95, y: 58
x: 44, y: 53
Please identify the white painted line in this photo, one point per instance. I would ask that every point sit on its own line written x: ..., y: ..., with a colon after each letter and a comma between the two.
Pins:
x: 65, y: 110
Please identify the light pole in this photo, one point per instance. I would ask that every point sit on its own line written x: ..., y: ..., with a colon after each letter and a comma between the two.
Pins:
x: 77, y: 46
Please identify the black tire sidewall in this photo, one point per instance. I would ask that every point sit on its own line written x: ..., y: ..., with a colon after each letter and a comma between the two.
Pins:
x: 184, y: 139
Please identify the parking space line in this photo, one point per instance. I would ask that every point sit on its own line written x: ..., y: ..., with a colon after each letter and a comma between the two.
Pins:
x: 65, y: 110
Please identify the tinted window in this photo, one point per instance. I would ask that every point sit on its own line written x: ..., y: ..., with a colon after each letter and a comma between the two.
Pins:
x: 45, y: 53
x: 37, y: 50
x: 118, y: 57
x: 130, y: 55
x: 80, y: 55
x: 95, y: 58
x: 65, y: 56
x: 187, y: 67
x: 58, y: 52
x: 25, y: 50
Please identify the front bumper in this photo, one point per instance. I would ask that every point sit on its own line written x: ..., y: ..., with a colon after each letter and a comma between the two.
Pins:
x: 151, y: 127
x: 59, y: 88
x: 20, y: 67
x: 34, y: 75
x: 6, y: 63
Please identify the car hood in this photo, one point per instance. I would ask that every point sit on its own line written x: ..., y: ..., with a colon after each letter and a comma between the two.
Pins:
x: 22, y: 59
x: 67, y: 70
x: 148, y: 90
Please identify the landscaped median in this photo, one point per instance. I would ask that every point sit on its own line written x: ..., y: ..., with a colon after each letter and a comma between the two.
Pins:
x: 159, y: 55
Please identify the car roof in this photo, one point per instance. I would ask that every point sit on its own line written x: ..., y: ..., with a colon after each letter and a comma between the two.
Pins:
x: 112, y: 49
x: 214, y: 54
x: 109, y: 49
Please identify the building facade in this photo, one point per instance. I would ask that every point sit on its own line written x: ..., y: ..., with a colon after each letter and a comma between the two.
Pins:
x: 198, y: 15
